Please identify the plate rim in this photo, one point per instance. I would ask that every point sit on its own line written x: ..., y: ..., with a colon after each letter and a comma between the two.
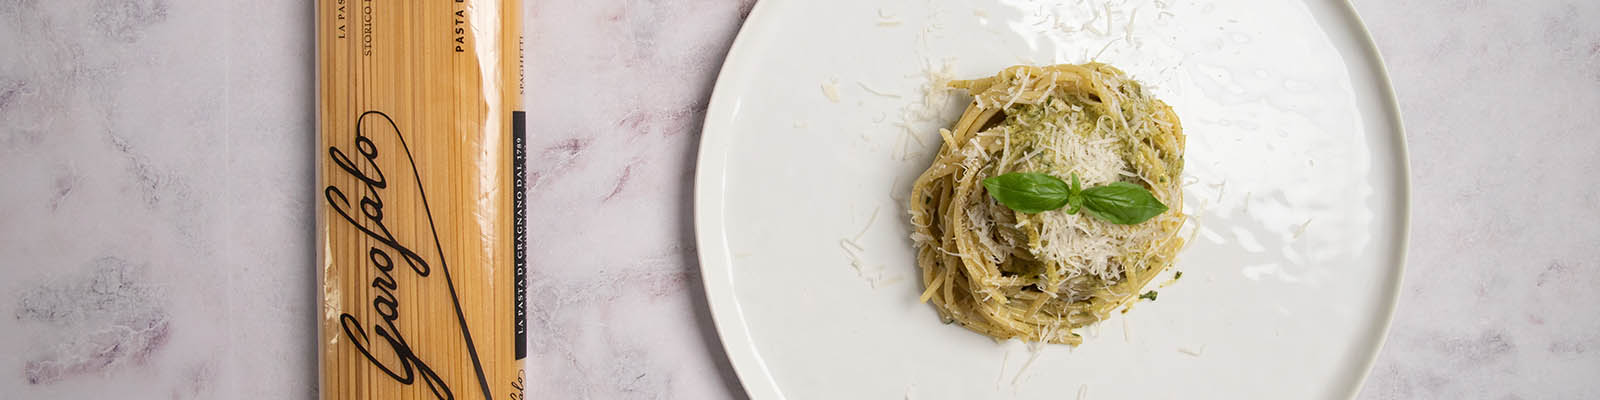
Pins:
x: 732, y: 330
x: 717, y: 283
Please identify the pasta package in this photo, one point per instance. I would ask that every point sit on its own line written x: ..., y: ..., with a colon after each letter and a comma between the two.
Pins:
x: 420, y: 199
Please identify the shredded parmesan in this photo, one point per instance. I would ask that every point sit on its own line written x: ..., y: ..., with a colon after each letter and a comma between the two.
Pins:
x: 1103, y: 49
x: 1004, y: 359
x: 1089, y: 26
x: 1302, y: 229
x: 1128, y: 30
x: 869, y: 89
x: 870, y: 220
x: 853, y: 244
x: 1192, y: 352
x: 1127, y: 331
x: 1108, y: 18
x: 919, y: 117
x: 1034, y: 349
x: 847, y: 245
x: 886, y: 19
x: 1079, y: 244
x: 876, y: 275
x: 831, y: 90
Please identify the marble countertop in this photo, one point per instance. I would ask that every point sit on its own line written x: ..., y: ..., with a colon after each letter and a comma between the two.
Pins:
x: 155, y: 232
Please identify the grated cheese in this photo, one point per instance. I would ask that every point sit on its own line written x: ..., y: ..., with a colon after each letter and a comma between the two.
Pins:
x: 1127, y: 332
x: 886, y: 19
x: 1004, y: 359
x: 932, y: 109
x: 876, y: 275
x: 1034, y: 350
x: 870, y: 220
x: 853, y: 243
x: 1081, y: 245
x: 1128, y: 30
x: 1103, y: 49
x: 1302, y: 229
x: 1192, y: 352
x: 1089, y: 26
x: 1108, y: 18
x: 846, y: 244
x: 831, y: 90
x: 869, y: 89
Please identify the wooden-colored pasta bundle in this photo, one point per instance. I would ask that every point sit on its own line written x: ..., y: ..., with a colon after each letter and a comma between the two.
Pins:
x: 419, y: 200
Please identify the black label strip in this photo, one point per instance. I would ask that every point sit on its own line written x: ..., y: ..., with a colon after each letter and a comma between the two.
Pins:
x: 519, y: 227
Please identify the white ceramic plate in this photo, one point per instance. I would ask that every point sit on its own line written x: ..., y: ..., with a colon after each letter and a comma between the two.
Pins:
x: 1295, y: 150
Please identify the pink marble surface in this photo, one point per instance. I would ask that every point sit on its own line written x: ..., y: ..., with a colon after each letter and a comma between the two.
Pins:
x: 155, y: 231
x: 615, y: 294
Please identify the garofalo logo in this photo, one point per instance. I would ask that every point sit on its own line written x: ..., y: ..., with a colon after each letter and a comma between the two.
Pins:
x: 382, y: 339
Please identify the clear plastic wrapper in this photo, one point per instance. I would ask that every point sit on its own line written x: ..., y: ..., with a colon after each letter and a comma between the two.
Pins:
x: 420, y: 200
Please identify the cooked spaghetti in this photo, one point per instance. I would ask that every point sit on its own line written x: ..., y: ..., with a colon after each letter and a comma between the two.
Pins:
x: 1037, y: 277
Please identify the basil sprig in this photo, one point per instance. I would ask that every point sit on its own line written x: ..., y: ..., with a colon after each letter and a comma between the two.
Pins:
x: 1031, y: 193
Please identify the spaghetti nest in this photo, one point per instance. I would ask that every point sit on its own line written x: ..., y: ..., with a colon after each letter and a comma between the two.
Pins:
x: 1038, y: 277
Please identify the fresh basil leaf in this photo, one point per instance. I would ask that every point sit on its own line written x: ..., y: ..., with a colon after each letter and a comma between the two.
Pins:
x: 1075, y: 197
x: 1150, y: 295
x: 1122, y: 203
x: 1028, y: 192
x: 1096, y: 214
